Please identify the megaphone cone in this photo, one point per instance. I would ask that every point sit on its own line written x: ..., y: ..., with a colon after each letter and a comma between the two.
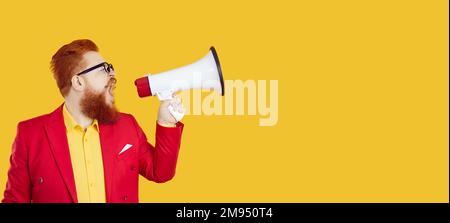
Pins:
x: 205, y: 73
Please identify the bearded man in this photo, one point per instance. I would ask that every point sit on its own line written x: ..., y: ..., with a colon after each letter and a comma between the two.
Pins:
x: 86, y: 151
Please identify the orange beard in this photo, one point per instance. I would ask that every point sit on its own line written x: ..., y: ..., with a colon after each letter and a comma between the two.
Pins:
x: 94, y: 105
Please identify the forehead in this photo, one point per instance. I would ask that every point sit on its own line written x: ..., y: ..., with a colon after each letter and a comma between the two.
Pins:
x: 92, y: 58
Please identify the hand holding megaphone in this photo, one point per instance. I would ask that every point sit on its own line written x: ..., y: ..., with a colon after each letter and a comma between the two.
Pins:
x: 171, y: 111
x: 204, y: 74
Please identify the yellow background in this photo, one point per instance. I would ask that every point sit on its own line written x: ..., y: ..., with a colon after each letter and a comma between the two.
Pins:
x: 363, y: 92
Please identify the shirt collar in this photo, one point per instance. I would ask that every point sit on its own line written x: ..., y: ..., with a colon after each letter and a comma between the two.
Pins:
x: 71, y: 124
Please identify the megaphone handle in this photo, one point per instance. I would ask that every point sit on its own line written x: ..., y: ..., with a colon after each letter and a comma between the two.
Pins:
x: 167, y: 95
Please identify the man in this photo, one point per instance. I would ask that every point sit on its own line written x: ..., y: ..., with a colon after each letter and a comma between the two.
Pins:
x: 85, y: 150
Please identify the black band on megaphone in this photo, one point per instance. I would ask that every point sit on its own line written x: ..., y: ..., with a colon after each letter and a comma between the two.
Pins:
x: 219, y: 70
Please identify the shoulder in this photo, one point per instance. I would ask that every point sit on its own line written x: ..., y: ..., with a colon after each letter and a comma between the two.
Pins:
x: 128, y: 125
x: 39, y: 121
x: 125, y: 117
x: 34, y: 122
x: 127, y: 120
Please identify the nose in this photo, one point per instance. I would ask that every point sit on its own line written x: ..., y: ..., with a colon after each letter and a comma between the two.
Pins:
x: 112, y: 73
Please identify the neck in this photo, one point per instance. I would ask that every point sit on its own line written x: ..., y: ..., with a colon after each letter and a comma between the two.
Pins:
x: 73, y: 107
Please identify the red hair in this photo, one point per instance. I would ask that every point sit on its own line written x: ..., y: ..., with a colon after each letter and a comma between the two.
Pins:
x: 67, y: 60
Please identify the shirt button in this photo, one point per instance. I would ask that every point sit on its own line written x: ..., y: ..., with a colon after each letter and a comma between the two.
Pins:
x: 40, y: 180
x: 125, y: 198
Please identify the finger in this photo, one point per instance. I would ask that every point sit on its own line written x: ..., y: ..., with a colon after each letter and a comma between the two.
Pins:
x: 177, y: 99
x: 174, y: 106
x: 172, y: 100
x: 175, y: 102
x: 179, y: 108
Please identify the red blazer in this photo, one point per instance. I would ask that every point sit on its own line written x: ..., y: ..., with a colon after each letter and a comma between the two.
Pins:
x: 41, y: 169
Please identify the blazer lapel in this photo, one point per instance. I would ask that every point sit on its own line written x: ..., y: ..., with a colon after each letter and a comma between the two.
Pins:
x: 56, y: 133
x: 108, y: 144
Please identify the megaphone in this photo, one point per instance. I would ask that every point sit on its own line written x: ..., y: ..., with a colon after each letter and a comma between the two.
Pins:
x: 202, y: 74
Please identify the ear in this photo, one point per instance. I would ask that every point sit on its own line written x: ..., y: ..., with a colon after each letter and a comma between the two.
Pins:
x: 78, y: 83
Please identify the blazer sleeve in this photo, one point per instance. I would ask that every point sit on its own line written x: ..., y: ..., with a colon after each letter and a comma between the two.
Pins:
x: 18, y: 186
x: 158, y: 163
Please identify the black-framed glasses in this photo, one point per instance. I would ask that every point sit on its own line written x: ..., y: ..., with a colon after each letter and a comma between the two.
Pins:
x: 106, y: 66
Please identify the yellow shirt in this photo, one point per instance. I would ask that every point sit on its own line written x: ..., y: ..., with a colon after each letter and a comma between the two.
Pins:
x: 87, y: 163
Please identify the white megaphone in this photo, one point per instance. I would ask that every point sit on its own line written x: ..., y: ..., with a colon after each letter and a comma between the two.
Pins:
x: 202, y: 74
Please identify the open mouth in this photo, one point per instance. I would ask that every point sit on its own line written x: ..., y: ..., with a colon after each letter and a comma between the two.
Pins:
x: 111, y: 90
x: 111, y: 86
